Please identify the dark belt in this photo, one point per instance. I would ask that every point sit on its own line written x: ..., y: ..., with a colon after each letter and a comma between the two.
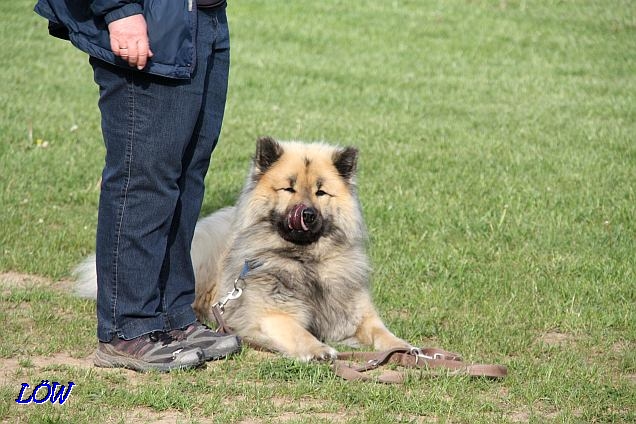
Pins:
x: 210, y: 4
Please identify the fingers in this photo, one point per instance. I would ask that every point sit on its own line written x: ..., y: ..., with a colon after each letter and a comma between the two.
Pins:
x: 129, y: 40
x: 114, y: 46
x: 135, y: 53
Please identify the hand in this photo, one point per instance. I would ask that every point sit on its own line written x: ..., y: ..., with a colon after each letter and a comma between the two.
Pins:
x: 129, y: 40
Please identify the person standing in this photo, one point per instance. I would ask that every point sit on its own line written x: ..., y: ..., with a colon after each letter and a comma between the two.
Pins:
x: 162, y: 70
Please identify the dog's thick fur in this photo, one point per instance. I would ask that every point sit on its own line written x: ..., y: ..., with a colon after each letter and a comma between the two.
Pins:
x: 298, y: 222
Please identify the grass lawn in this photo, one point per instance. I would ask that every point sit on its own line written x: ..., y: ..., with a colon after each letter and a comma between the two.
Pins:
x: 497, y: 178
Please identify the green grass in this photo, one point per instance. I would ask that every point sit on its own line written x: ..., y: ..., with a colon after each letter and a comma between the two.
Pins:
x: 497, y: 177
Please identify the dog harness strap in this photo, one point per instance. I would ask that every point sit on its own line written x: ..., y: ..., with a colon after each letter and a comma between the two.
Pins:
x: 424, y: 358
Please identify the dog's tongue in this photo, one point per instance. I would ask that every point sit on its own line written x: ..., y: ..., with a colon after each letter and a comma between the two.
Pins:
x: 296, y: 221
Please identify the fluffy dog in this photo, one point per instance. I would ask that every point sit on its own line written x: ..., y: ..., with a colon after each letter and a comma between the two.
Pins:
x: 294, y: 247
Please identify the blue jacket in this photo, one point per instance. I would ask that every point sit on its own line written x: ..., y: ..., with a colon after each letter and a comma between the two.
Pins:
x: 171, y: 29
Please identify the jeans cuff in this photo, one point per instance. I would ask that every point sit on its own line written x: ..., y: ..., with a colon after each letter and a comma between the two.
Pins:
x: 181, y: 319
x: 132, y: 329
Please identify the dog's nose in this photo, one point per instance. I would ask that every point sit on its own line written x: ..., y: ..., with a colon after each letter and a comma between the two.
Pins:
x: 309, y: 215
x: 303, y: 218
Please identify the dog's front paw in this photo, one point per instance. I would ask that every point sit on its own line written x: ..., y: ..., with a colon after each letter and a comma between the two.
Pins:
x: 320, y: 352
x: 387, y: 341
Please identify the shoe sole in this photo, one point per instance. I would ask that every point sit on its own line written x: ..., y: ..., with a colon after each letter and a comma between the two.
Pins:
x: 105, y: 360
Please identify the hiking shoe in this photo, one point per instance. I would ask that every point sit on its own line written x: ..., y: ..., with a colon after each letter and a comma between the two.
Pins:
x: 154, y: 351
x: 214, y: 345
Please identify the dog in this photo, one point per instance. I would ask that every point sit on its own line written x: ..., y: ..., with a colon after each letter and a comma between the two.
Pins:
x: 288, y: 262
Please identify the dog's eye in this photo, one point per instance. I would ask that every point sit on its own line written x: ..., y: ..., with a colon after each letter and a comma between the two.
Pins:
x: 290, y: 190
x: 320, y: 193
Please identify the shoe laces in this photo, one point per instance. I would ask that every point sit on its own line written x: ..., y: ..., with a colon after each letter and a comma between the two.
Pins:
x: 180, y: 333
x: 160, y: 336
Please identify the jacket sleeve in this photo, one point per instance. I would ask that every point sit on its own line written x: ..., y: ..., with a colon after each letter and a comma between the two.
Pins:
x: 112, y: 10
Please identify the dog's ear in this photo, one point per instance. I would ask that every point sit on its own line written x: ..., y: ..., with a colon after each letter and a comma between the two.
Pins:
x: 268, y: 151
x: 346, y: 161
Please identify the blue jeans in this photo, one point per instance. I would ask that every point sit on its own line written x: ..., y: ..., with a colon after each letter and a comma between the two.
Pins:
x: 159, y: 135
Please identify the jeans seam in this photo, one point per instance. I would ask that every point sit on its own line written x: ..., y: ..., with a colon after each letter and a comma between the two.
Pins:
x: 124, y: 198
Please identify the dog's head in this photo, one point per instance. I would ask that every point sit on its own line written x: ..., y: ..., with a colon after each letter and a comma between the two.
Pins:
x: 307, y: 189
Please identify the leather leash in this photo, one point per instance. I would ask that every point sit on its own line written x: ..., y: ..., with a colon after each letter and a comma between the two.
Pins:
x: 353, y: 365
x: 222, y: 326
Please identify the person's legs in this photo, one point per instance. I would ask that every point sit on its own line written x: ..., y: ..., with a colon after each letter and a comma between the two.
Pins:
x: 146, y: 122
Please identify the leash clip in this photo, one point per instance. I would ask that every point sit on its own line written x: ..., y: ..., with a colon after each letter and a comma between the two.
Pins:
x: 417, y: 352
x: 236, y: 291
x: 234, y: 294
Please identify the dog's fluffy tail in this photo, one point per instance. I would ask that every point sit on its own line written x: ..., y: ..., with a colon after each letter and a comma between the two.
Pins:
x: 86, y: 278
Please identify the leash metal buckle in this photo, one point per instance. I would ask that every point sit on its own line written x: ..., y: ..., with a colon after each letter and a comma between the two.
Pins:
x: 234, y: 294
x: 237, y: 291
x: 417, y: 352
